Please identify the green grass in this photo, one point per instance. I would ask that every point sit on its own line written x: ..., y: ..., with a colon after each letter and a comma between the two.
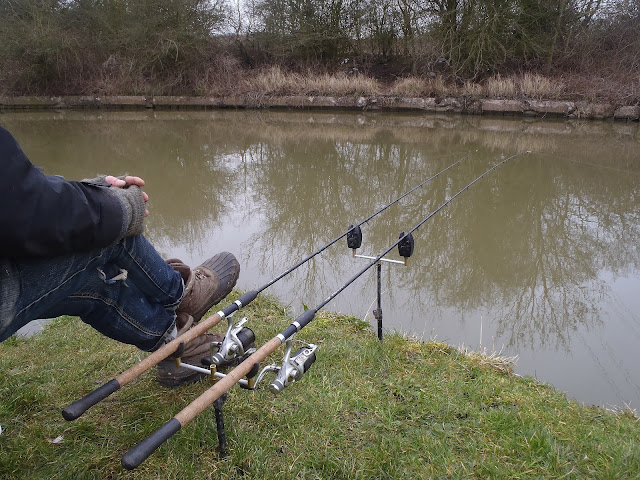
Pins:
x: 400, y: 409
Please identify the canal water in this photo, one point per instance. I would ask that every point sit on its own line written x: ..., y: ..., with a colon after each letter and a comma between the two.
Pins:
x: 540, y: 259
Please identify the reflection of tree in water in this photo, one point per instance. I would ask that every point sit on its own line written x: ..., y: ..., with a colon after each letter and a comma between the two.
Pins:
x: 553, y: 279
x: 527, y: 243
x: 315, y: 189
x: 530, y: 244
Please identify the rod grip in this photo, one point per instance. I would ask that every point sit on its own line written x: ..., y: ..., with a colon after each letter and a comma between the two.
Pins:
x: 140, y: 452
x: 77, y: 408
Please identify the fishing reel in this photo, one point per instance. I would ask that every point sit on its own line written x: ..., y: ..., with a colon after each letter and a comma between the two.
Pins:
x: 238, y: 342
x: 292, y: 368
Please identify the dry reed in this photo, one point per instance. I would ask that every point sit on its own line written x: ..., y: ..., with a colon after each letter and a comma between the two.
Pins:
x: 500, y: 87
x: 494, y: 359
x: 409, y: 86
x: 536, y: 86
x: 274, y: 81
x: 528, y: 85
x: 340, y: 84
x: 471, y: 89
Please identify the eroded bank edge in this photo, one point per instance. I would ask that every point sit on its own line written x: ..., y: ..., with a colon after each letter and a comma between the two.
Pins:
x: 459, y: 105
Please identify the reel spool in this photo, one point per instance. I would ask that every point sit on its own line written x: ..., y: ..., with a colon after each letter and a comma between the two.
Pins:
x: 238, y: 342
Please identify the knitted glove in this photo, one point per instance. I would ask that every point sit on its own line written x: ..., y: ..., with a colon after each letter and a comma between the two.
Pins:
x: 134, y: 207
x: 99, y: 181
x: 132, y: 202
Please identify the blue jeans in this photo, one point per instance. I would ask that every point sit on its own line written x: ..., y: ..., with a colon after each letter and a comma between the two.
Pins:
x: 126, y: 291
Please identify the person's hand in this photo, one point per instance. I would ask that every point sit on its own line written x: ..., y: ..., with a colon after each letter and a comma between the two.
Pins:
x: 128, y: 181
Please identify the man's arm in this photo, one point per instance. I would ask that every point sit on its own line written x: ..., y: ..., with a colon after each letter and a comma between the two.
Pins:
x: 43, y: 215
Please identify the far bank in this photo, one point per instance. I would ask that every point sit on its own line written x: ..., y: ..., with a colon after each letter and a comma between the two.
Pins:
x: 392, y: 103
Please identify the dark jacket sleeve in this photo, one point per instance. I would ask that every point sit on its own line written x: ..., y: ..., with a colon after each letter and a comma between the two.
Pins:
x: 43, y: 215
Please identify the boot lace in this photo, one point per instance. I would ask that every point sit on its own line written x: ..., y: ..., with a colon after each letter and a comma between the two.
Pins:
x: 200, y: 274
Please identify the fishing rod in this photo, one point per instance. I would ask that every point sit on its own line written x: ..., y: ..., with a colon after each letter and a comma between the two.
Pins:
x: 292, y: 368
x: 354, y: 233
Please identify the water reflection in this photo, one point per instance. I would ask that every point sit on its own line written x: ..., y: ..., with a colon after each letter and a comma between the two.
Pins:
x: 540, y: 252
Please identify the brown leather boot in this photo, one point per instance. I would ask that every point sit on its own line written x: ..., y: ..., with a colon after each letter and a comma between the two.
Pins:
x: 168, y: 373
x: 207, y: 284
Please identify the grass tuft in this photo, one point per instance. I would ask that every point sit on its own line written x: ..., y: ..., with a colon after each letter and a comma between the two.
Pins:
x: 471, y: 89
x: 418, y: 87
x: 493, y: 359
x: 273, y: 81
x: 341, y: 84
x: 528, y: 85
x: 409, y: 86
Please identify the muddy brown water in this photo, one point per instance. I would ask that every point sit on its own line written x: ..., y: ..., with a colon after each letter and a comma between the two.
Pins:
x: 539, y: 259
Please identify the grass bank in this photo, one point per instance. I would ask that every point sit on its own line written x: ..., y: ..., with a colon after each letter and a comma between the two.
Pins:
x: 275, y: 81
x: 526, y: 94
x: 400, y: 409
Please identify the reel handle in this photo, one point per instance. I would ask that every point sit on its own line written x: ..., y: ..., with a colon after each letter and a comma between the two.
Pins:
x: 293, y: 366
